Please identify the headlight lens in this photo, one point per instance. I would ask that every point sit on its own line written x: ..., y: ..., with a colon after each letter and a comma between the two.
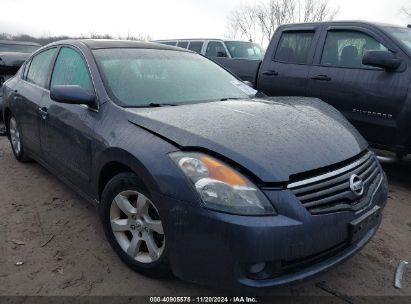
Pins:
x: 220, y: 187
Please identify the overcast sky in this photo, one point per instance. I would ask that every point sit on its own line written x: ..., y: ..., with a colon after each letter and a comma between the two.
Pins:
x: 160, y: 19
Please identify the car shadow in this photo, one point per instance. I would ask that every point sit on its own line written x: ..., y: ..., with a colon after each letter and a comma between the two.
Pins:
x: 398, y: 172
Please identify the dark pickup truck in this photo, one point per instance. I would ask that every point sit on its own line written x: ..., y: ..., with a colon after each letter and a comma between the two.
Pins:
x: 362, y: 69
x: 12, y: 56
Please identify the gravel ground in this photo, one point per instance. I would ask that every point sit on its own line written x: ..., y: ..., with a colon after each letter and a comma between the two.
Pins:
x: 58, y: 238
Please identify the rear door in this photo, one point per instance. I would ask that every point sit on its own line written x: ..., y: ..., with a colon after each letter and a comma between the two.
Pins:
x: 66, y: 133
x: 369, y: 97
x: 28, y: 96
x: 285, y: 68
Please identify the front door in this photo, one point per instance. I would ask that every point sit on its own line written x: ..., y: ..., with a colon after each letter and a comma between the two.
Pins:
x: 66, y: 135
x: 369, y: 97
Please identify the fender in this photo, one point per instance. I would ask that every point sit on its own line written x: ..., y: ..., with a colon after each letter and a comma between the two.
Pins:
x: 125, y: 158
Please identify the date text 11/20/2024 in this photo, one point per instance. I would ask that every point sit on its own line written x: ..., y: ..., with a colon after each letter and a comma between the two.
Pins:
x: 203, y: 300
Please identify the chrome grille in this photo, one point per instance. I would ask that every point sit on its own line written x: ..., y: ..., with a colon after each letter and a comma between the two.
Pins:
x: 331, y: 192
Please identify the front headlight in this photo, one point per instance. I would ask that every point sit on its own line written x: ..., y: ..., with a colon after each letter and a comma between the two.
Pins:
x: 220, y: 187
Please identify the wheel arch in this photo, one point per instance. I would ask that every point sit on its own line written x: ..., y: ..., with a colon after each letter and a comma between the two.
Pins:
x: 115, y: 161
x: 6, y: 115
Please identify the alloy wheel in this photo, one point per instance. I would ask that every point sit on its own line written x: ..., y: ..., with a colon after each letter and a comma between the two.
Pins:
x: 15, y: 136
x: 137, y: 226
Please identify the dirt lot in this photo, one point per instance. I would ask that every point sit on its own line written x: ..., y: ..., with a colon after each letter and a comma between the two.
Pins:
x: 59, y: 239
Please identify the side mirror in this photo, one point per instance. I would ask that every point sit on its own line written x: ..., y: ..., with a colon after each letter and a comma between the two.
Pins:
x: 381, y: 59
x: 72, y: 94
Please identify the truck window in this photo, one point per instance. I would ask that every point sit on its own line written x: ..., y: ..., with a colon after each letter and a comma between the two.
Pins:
x: 245, y: 50
x: 294, y: 47
x: 183, y: 44
x: 196, y: 46
x: 346, y: 48
x: 216, y: 49
x: 402, y: 34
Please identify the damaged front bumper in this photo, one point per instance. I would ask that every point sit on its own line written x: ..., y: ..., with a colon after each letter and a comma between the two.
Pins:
x: 234, y: 251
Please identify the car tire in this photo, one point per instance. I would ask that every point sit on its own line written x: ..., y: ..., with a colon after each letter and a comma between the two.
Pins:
x: 15, y: 140
x: 126, y: 212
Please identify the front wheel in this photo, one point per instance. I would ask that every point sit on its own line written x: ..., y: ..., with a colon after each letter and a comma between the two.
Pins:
x: 133, y: 226
x: 15, y: 140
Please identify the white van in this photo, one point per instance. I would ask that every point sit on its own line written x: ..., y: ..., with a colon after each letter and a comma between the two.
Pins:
x: 217, y: 48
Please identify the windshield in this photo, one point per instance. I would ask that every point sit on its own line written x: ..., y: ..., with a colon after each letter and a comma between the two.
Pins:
x: 139, y: 77
x: 18, y: 48
x: 403, y: 34
x: 245, y: 50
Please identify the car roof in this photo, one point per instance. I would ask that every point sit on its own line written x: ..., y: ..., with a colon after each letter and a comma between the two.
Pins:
x: 190, y: 39
x: 345, y: 22
x: 95, y: 44
x: 19, y: 42
x: 201, y: 39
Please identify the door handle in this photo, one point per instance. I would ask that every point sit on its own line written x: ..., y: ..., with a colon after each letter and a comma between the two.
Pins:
x: 43, y: 112
x: 270, y: 73
x: 321, y: 78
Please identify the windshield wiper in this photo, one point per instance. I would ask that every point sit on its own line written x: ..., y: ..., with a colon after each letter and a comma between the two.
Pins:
x: 230, y: 98
x: 157, y: 105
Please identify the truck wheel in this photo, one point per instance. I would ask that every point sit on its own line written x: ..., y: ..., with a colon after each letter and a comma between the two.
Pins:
x: 133, y: 226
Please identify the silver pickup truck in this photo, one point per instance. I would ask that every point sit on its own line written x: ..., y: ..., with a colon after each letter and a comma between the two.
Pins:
x: 12, y: 56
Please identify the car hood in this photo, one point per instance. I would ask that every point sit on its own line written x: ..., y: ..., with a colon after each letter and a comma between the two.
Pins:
x: 12, y: 61
x: 273, y: 138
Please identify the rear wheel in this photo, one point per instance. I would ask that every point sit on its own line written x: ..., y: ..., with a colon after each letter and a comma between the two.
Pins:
x: 133, y: 226
x: 15, y: 140
x: 2, y: 125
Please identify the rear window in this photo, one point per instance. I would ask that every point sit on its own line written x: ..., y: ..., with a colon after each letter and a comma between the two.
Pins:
x: 40, y: 67
x: 196, y: 46
x: 294, y: 47
x: 183, y: 44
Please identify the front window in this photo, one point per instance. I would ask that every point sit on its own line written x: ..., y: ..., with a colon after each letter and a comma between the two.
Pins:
x: 139, y: 77
x: 245, y: 50
x: 70, y: 69
x: 347, y: 48
x: 18, y: 48
x: 215, y: 49
x: 402, y: 34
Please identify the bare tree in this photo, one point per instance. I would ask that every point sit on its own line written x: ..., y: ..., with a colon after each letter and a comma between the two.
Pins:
x: 406, y: 11
x: 241, y: 23
x: 260, y: 20
x: 314, y: 11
